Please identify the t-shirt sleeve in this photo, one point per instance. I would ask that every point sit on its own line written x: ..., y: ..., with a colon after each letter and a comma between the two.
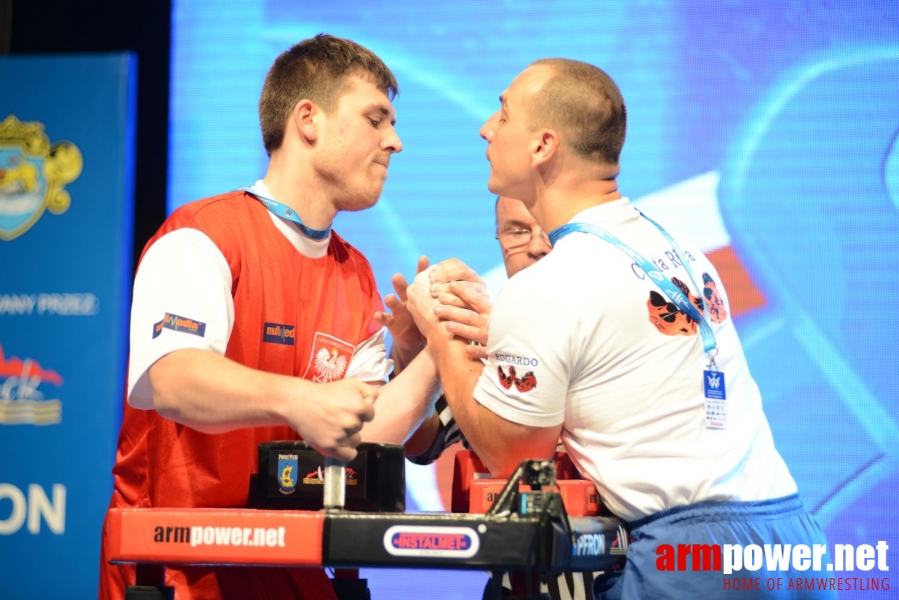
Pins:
x: 526, y: 375
x: 370, y: 362
x: 182, y: 299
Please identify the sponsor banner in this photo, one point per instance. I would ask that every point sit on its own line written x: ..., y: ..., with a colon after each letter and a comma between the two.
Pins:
x: 66, y: 162
x: 427, y: 541
x: 218, y: 536
x: 731, y: 558
x: 785, y: 567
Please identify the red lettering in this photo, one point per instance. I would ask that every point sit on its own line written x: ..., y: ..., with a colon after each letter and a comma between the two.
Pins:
x: 682, y: 551
x: 665, y: 562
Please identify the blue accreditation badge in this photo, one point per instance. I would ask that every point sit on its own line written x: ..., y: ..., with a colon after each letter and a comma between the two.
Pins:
x: 714, y: 385
x: 715, y: 399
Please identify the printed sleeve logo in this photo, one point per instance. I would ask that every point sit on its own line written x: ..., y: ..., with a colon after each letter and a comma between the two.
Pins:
x: 180, y: 324
x: 21, y: 400
x: 276, y: 333
x: 33, y: 175
x: 330, y: 358
x: 523, y: 384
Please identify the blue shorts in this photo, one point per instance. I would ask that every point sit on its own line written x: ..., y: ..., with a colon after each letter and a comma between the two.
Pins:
x: 778, y: 521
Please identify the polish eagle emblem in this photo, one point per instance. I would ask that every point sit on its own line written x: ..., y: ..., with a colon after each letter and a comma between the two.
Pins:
x: 329, y: 366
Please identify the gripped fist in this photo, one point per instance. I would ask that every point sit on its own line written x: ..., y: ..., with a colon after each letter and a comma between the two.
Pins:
x: 331, y: 421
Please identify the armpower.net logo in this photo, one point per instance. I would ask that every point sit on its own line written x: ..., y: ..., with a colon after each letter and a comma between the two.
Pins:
x: 770, y: 559
x: 267, y: 537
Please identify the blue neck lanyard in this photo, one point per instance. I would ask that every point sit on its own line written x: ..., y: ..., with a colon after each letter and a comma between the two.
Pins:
x: 282, y: 210
x: 674, y: 294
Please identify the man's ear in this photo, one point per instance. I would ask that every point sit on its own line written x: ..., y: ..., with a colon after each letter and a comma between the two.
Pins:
x: 544, y: 146
x: 304, y: 119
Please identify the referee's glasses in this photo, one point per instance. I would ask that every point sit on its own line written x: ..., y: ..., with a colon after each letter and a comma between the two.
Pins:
x: 517, y: 240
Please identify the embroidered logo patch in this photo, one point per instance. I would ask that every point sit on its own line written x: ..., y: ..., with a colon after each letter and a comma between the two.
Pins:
x: 276, y: 333
x: 329, y: 359
x: 181, y: 324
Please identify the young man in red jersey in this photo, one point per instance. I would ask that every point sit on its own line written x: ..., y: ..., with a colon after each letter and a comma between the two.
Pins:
x: 252, y: 320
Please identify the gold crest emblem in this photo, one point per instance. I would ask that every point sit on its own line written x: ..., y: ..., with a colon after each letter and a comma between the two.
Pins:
x: 33, y: 175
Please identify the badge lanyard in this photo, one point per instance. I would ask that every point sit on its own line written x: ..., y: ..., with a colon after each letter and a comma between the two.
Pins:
x: 282, y: 210
x: 713, y: 379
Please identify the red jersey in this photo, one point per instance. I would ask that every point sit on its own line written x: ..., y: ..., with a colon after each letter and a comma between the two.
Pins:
x: 293, y: 315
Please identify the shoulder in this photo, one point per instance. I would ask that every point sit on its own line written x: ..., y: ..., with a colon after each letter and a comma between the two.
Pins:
x: 535, y: 293
x: 563, y: 271
x: 350, y: 258
x: 213, y: 217
x: 212, y: 211
x: 342, y: 248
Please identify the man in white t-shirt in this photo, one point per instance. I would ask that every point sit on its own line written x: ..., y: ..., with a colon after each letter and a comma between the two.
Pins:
x: 621, y: 343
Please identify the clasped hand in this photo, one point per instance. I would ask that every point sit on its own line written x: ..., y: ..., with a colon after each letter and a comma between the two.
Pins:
x: 450, y: 299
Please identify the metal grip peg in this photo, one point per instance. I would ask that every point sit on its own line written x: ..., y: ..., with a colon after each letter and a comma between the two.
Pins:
x: 335, y: 484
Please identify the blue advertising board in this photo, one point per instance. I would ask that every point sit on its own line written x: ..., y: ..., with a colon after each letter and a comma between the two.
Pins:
x: 66, y: 204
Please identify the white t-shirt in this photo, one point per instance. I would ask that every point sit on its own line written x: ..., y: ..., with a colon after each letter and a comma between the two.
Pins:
x: 185, y: 273
x: 596, y: 347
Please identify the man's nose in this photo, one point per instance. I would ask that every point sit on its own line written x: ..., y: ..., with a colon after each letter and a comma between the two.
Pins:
x: 392, y: 143
x: 539, y: 245
x: 487, y: 128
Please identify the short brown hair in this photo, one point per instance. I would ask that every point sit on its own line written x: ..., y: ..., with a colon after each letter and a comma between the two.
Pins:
x: 316, y: 69
x: 584, y: 102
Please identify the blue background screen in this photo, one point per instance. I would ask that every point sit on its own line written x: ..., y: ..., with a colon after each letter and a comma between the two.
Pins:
x: 765, y: 130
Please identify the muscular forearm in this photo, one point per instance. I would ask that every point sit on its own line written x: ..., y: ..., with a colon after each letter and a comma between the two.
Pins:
x: 402, y: 358
x: 459, y: 375
x: 210, y: 393
x: 499, y: 443
x: 424, y: 437
x: 404, y: 403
